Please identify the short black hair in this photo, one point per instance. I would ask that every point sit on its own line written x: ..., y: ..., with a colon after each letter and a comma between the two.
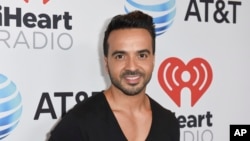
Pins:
x: 134, y: 19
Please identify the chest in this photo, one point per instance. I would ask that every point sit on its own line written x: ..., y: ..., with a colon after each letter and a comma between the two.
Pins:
x: 134, y: 126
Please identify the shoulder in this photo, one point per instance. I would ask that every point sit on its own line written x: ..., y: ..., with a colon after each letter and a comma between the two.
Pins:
x: 76, y: 121
x: 163, y: 115
x: 164, y: 120
x: 93, y: 104
x: 157, y: 108
x: 87, y: 111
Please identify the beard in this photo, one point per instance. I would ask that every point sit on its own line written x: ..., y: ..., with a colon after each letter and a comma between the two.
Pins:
x: 130, y: 89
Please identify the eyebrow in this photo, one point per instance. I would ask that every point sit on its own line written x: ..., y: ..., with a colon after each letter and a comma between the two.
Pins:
x: 124, y: 52
x: 117, y: 52
x: 144, y: 51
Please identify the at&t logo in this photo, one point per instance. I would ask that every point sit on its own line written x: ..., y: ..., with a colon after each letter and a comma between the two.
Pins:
x: 163, y: 13
x: 10, y: 106
x: 170, y: 77
x: 44, y: 1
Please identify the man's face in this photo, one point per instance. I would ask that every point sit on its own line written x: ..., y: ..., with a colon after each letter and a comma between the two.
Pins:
x: 130, y: 60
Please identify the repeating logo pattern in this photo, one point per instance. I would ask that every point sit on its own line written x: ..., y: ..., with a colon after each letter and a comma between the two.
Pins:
x: 163, y: 14
x: 170, y: 78
x: 10, y: 106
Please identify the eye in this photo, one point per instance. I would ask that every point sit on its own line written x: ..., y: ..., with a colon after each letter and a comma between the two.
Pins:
x: 119, y: 56
x: 143, y: 56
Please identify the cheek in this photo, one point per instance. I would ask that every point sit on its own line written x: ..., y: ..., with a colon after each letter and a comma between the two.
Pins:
x: 149, y: 67
x: 114, y: 68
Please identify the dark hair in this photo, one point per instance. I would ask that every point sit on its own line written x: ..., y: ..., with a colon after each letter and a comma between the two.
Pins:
x: 135, y: 19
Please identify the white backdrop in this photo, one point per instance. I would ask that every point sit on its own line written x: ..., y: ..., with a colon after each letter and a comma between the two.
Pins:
x: 55, y: 65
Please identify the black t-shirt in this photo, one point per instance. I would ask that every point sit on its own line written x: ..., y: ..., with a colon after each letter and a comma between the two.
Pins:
x: 93, y: 120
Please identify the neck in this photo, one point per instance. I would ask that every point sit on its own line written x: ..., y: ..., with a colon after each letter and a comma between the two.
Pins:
x: 120, y: 101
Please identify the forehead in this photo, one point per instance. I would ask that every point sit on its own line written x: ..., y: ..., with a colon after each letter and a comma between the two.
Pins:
x: 130, y: 39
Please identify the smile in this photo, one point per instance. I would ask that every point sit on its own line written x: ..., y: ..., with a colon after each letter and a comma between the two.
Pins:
x: 132, y: 79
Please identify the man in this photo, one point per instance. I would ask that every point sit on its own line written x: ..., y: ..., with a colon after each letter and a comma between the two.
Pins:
x: 123, y: 112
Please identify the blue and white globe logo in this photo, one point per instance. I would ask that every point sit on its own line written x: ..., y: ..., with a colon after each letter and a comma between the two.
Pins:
x: 10, y: 106
x: 162, y: 11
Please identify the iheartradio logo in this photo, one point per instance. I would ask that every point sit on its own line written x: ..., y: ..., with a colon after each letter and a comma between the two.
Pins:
x: 170, y: 77
x: 44, y: 1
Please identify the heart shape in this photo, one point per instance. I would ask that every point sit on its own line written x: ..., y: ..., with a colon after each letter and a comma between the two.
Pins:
x: 170, y: 78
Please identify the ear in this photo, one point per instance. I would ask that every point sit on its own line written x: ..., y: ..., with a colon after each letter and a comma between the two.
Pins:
x: 106, y: 63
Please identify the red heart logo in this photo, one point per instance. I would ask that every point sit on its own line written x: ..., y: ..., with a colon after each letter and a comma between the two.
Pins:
x: 170, y: 78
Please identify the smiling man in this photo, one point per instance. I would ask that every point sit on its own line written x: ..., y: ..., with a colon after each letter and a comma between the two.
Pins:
x: 130, y: 60
x: 123, y: 112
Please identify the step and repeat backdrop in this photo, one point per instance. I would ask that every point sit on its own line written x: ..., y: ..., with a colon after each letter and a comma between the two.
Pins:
x: 51, y: 58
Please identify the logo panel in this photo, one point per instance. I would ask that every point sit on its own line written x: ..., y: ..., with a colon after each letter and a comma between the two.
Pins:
x: 163, y: 13
x: 10, y: 106
x: 170, y: 78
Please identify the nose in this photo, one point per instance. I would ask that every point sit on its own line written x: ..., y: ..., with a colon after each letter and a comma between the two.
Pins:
x: 131, y: 64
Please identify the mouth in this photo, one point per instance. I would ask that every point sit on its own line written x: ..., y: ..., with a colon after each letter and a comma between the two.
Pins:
x: 132, y: 79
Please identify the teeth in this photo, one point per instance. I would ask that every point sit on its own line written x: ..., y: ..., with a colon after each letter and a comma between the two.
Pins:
x: 132, y: 77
